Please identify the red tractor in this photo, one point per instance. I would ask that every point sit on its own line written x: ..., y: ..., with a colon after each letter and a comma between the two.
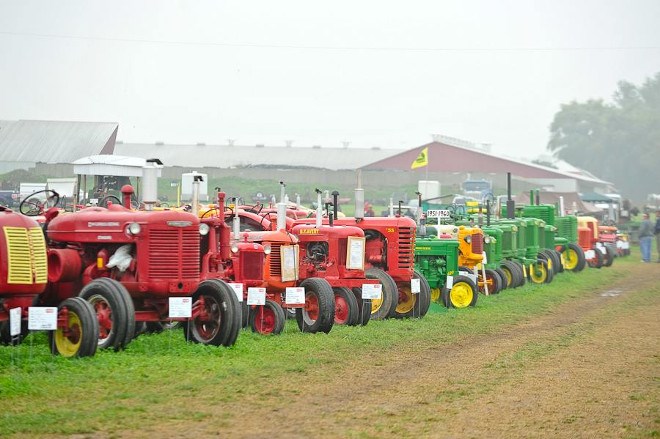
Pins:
x: 23, y: 277
x: 129, y: 264
x: 333, y: 253
x: 596, y: 252
x: 389, y: 259
x: 282, y: 271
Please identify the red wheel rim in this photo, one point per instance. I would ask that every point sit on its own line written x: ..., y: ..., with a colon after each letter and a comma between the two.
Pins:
x: 341, y: 310
x: 312, y: 306
x: 103, y: 315
x: 209, y: 326
x: 264, y: 320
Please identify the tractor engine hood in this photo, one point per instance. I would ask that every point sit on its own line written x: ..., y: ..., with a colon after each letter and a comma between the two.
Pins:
x: 115, y: 224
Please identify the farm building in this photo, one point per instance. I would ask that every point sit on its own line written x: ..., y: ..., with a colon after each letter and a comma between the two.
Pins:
x: 51, y: 147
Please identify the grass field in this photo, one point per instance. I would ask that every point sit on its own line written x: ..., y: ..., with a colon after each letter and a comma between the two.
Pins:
x: 162, y: 377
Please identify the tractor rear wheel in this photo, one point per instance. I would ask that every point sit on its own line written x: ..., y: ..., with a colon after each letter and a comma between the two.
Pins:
x: 573, y: 258
x: 268, y: 319
x: 385, y: 306
x: 413, y: 305
x: 597, y: 261
x: 503, y: 278
x: 364, y: 306
x: 346, y: 307
x: 538, y: 272
x: 549, y: 265
x: 219, y: 322
x: 492, y: 280
x: 513, y: 273
x: 608, y: 257
x: 318, y: 315
x: 80, y: 338
x: 551, y: 256
x: 110, y: 301
x: 462, y: 294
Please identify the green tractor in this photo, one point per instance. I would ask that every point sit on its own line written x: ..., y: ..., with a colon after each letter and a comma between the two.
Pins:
x: 437, y: 260
x: 561, y: 235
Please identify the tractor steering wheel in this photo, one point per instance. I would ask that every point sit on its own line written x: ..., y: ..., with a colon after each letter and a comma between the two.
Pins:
x: 104, y: 201
x: 38, y: 202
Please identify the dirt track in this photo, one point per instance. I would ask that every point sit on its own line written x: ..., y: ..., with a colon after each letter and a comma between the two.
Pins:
x: 588, y: 369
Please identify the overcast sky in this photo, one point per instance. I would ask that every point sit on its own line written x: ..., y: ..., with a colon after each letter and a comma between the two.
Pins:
x: 374, y: 73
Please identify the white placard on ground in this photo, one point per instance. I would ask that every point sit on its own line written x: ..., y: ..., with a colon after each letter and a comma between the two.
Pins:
x: 372, y: 291
x: 180, y: 307
x: 256, y: 296
x: 450, y: 282
x: 238, y: 289
x: 295, y: 296
x: 42, y: 318
x: 415, y: 286
x: 14, y: 321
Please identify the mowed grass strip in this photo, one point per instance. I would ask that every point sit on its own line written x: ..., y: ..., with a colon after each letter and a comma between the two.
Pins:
x: 160, y: 376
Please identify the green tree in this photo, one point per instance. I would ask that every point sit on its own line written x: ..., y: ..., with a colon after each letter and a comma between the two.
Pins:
x: 617, y: 141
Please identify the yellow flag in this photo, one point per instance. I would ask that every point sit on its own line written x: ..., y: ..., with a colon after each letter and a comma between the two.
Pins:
x: 421, y: 160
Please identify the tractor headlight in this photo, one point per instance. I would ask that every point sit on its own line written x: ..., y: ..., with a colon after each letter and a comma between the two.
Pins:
x: 204, y: 229
x: 234, y: 248
x: 267, y: 249
x: 134, y: 228
x: 487, y: 239
x: 468, y: 239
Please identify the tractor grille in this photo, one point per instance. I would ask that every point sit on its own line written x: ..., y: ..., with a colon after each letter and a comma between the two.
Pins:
x: 252, y: 266
x: 477, y: 243
x: 342, y: 250
x: 507, y: 240
x: 406, y: 247
x: 275, y: 269
x: 26, y: 256
x: 174, y: 253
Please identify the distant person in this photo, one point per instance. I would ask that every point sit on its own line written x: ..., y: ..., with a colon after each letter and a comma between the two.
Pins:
x: 657, y: 232
x: 645, y: 238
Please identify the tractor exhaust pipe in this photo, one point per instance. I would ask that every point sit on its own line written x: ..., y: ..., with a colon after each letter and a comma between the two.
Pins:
x: 359, y: 198
x: 236, y: 221
x: 510, y: 205
x: 319, y: 209
x: 335, y: 201
x: 281, y: 208
x: 488, y: 213
x: 538, y: 197
x: 561, y: 206
x: 221, y: 204
x: 195, y: 194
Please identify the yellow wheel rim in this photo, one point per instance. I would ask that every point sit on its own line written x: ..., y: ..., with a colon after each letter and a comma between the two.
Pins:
x: 376, y: 304
x: 461, y: 295
x: 538, y: 273
x: 408, y: 302
x: 435, y: 294
x: 68, y: 346
x: 569, y: 259
x: 509, y: 276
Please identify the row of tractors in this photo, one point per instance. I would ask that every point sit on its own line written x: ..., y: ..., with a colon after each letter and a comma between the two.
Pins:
x: 112, y: 272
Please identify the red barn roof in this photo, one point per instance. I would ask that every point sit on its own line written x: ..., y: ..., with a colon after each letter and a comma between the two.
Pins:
x: 450, y: 158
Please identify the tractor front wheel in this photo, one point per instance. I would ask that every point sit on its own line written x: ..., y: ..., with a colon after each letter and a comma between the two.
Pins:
x: 503, y: 278
x: 346, y: 307
x: 268, y: 319
x: 538, y: 272
x: 79, y: 335
x: 219, y: 321
x: 573, y: 258
x: 385, y: 306
x: 492, y: 280
x: 462, y: 294
x: 114, y: 311
x: 318, y: 315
